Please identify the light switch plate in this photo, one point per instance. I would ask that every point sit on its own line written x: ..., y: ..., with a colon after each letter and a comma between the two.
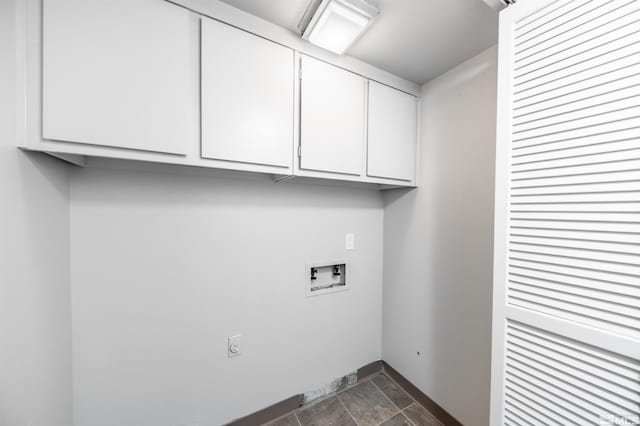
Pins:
x: 350, y: 242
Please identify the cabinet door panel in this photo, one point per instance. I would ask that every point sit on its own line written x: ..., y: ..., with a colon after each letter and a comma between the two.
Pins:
x: 119, y: 73
x: 332, y: 118
x: 392, y: 135
x: 247, y: 97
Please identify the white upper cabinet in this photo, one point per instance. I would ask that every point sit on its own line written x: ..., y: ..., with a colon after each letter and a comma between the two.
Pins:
x: 148, y: 80
x: 332, y: 118
x: 392, y: 135
x: 247, y: 97
x: 118, y: 73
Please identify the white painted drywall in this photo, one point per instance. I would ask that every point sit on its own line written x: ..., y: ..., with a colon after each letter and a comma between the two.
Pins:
x: 438, y: 245
x: 165, y: 267
x: 35, y: 316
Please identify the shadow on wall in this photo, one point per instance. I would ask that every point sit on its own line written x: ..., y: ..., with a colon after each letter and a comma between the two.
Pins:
x: 166, y: 267
x: 439, y: 247
x: 244, y: 189
x: 35, y: 312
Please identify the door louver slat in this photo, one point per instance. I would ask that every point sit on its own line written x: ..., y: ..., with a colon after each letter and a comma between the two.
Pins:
x: 573, y: 381
x: 568, y: 215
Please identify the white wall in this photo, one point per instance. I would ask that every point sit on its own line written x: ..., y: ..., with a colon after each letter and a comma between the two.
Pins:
x: 438, y: 247
x: 35, y: 323
x: 165, y: 267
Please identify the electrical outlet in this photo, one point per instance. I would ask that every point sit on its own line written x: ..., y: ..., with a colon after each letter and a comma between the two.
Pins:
x: 233, y: 346
x: 350, y: 242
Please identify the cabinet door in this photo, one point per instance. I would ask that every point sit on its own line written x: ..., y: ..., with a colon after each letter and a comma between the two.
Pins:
x: 392, y: 136
x: 332, y: 118
x: 119, y: 73
x: 247, y: 97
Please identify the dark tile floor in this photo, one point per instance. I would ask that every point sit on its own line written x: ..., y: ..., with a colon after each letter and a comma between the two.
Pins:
x: 372, y: 402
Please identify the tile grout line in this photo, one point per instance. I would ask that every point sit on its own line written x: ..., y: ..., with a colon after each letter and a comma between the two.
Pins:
x: 388, y: 399
x: 346, y: 409
x: 392, y: 403
x: 402, y: 389
x: 369, y: 379
x: 413, y: 399
x: 336, y: 396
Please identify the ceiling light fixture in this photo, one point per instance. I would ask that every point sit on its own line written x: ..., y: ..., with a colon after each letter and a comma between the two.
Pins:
x: 498, y: 5
x: 336, y: 24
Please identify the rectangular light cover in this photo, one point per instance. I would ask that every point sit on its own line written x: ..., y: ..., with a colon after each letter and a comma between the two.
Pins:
x: 336, y: 26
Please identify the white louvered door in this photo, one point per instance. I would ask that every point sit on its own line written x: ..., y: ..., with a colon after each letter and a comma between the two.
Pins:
x: 566, y: 324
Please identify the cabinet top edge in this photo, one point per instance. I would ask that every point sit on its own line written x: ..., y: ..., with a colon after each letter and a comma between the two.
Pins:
x: 237, y: 18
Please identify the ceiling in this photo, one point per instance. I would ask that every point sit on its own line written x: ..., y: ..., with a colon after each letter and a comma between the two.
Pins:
x: 414, y: 39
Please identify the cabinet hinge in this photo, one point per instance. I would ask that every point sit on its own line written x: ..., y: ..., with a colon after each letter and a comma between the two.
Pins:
x: 299, y: 151
x: 300, y: 70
